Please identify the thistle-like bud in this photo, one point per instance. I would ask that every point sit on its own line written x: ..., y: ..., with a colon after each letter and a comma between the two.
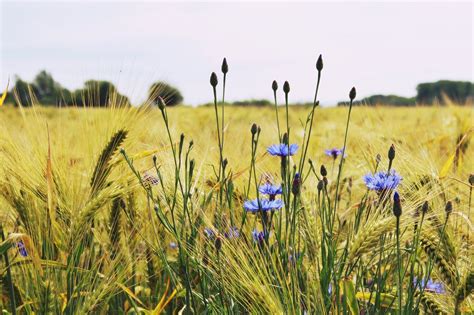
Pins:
x: 323, y: 171
x: 320, y: 185
x: 425, y: 207
x: 213, y: 79
x: 391, y: 152
x: 378, y: 158
x: 191, y: 143
x: 254, y: 129
x: 274, y: 86
x: 296, y: 186
x: 224, y: 163
x: 161, y: 103
x: 218, y: 243
x: 154, y: 159
x: 284, y: 139
x: 352, y: 94
x: 122, y: 151
x: 448, y: 208
x: 471, y: 179
x: 225, y: 66
x: 397, y: 207
x: 319, y: 63
x: 286, y: 87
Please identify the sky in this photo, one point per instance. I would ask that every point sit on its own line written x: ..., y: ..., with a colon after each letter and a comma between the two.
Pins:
x: 379, y: 47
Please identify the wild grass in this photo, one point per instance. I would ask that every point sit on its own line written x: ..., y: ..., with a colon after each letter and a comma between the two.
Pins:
x: 115, y: 209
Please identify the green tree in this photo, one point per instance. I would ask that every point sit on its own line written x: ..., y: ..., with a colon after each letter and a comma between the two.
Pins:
x: 457, y: 91
x: 170, y: 94
x: 98, y: 94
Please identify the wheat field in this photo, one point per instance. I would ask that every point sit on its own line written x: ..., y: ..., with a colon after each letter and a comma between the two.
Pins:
x: 112, y: 211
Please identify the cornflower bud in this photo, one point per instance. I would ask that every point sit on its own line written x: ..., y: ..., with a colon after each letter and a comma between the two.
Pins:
x: 225, y: 66
x: 319, y: 63
x: 352, y: 94
x: 213, y: 79
x: 397, y: 207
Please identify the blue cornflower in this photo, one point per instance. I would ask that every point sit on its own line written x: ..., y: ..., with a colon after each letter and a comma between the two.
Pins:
x: 265, y: 205
x: 269, y: 189
x: 381, y: 181
x: 334, y: 152
x: 232, y: 233
x: 173, y: 245
x: 22, y: 249
x: 258, y: 236
x: 431, y: 286
x: 209, y: 233
x: 282, y: 149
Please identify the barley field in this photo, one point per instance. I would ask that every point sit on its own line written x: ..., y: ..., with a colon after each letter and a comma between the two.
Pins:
x: 149, y: 211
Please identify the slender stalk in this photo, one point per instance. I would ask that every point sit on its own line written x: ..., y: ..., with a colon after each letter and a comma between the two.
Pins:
x: 399, y: 267
x: 11, y: 290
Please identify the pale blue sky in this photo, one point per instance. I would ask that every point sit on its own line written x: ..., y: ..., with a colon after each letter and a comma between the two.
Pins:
x: 379, y: 47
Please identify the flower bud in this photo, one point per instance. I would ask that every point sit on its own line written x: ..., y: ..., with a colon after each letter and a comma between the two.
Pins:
x: 378, y: 158
x: 397, y: 207
x: 213, y: 79
x: 254, y: 129
x: 323, y: 171
x: 425, y: 207
x: 296, y: 187
x: 154, y: 159
x: 471, y: 179
x: 352, y: 94
x: 320, y: 185
x: 286, y: 87
x: 319, y: 63
x: 274, y: 86
x: 448, y: 208
x: 218, y: 243
x: 225, y: 66
x: 224, y: 163
x: 391, y: 152
x: 161, y: 103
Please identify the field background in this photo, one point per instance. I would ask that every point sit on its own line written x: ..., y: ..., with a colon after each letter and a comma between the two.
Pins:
x: 426, y: 139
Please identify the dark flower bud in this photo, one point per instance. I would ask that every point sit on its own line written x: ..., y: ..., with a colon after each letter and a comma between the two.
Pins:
x: 213, y: 79
x: 254, y: 129
x: 320, y: 185
x: 310, y: 162
x: 352, y: 94
x: 274, y: 86
x: 191, y: 143
x: 286, y: 87
x: 161, y: 103
x: 391, y: 152
x: 284, y: 139
x: 448, y: 208
x: 397, y: 207
x: 224, y: 163
x: 225, y: 66
x: 259, y: 129
x: 425, y: 207
x: 471, y: 179
x: 323, y: 171
x: 319, y: 63
x: 296, y: 187
x: 122, y: 150
x: 378, y: 158
x: 154, y: 159
x: 218, y: 243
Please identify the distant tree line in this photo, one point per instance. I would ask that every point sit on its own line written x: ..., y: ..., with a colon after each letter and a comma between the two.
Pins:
x: 440, y: 92
x: 46, y: 91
